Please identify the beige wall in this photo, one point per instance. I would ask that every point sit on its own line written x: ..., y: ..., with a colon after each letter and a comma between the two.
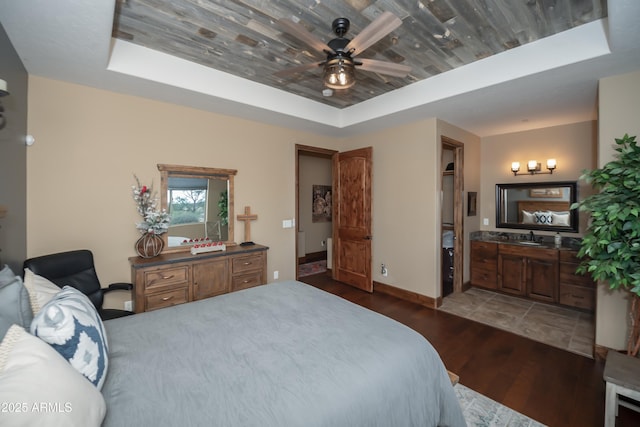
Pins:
x: 406, y: 203
x: 573, y: 146
x: 313, y: 171
x: 618, y: 114
x: 90, y: 142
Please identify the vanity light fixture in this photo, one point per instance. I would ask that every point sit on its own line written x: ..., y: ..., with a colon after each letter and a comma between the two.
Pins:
x: 534, y: 168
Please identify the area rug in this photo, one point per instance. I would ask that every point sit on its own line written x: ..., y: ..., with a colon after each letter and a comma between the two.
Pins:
x: 480, y: 411
x: 311, y: 268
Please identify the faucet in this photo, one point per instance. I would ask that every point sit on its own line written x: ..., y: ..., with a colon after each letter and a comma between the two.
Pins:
x: 531, y: 237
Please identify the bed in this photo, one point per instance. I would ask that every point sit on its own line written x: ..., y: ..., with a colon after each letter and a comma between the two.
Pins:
x: 283, y: 354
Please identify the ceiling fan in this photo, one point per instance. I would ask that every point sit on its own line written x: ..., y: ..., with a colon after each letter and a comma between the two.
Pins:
x: 340, y: 63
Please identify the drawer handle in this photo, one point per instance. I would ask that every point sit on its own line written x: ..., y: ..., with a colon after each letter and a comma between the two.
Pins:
x: 167, y: 298
x: 246, y: 281
x: 578, y: 296
x: 168, y: 277
x: 247, y: 263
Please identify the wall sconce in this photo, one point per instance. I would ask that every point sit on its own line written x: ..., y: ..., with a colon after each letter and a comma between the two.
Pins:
x: 3, y: 92
x: 533, y: 167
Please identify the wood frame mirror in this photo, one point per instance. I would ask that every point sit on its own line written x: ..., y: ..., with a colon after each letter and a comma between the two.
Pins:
x: 210, y: 184
x: 537, y: 206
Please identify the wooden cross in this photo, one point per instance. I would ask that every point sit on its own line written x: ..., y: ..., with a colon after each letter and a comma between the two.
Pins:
x: 247, y: 218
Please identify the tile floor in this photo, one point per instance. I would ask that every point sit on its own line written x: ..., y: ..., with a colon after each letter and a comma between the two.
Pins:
x: 561, y: 327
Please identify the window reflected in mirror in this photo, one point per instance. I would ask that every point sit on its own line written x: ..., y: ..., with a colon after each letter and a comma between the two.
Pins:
x: 198, y: 208
x: 200, y: 203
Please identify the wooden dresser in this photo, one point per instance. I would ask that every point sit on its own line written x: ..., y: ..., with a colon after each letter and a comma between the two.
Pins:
x: 176, y: 278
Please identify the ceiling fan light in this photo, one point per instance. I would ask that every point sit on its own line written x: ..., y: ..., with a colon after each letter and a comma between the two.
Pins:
x: 339, y: 74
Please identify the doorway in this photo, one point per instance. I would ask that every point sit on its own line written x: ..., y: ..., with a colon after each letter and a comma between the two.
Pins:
x: 314, y: 224
x: 452, y: 215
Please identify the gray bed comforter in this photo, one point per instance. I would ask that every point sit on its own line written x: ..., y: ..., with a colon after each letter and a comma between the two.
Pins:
x: 283, y: 354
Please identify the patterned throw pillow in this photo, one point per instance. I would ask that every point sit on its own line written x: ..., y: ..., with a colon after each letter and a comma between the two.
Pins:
x: 72, y: 326
x: 543, y: 218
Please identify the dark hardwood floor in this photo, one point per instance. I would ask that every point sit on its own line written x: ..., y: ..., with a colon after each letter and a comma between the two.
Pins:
x: 552, y: 386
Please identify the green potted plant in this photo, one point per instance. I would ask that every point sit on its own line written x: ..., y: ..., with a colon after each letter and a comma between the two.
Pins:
x: 610, y: 249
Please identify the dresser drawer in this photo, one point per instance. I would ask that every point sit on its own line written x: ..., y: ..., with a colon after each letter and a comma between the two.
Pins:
x: 569, y: 276
x: 484, y: 277
x: 577, y: 296
x: 247, y: 263
x: 244, y: 281
x: 166, y: 299
x: 160, y: 278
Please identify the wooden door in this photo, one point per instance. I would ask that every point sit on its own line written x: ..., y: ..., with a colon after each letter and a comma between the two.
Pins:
x: 352, y: 218
x: 210, y: 278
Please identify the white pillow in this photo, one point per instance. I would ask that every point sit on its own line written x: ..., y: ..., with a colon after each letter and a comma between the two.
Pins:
x: 560, y: 218
x: 39, y: 388
x: 40, y: 290
x: 72, y: 326
x: 527, y: 217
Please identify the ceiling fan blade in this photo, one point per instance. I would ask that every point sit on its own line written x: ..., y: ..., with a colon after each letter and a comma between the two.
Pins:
x: 298, y: 69
x: 382, y: 67
x: 303, y: 35
x: 379, y: 28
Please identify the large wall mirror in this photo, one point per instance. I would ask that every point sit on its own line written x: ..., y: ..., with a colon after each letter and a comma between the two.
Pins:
x: 537, y: 206
x: 200, y: 203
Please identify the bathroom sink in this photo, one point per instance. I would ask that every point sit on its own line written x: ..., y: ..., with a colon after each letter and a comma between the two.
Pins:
x: 527, y: 243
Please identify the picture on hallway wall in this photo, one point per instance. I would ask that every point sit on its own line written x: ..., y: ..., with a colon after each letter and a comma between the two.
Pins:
x: 321, y: 200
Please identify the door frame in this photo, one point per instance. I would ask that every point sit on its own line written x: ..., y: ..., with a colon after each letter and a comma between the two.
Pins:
x: 458, y: 211
x: 305, y: 150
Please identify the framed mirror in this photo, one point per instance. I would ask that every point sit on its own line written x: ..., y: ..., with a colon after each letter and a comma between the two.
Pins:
x: 200, y: 203
x: 537, y: 206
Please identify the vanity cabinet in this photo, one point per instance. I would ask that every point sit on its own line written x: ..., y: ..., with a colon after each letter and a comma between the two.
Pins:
x: 575, y: 290
x: 176, y: 278
x: 540, y: 273
x: 530, y: 272
x: 484, y: 258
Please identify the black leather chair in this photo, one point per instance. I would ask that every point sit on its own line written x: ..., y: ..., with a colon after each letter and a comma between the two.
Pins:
x: 76, y: 269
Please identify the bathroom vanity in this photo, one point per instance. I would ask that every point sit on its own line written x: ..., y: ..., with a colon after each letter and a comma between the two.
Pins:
x: 532, y: 270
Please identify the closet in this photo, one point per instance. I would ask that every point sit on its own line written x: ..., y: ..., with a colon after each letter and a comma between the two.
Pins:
x: 451, y: 215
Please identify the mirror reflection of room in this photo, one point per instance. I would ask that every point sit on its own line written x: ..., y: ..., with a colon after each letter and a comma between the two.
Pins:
x: 198, y: 209
x: 537, y: 206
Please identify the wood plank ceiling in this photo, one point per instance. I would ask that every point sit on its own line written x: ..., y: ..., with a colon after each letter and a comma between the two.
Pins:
x: 243, y: 38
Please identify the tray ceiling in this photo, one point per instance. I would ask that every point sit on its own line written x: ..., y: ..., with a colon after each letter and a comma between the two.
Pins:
x: 243, y: 38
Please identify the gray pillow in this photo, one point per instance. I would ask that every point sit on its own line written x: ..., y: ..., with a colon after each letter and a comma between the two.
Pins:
x: 15, y: 307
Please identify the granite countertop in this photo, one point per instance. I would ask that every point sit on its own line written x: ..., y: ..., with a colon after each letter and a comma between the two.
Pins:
x: 522, y: 239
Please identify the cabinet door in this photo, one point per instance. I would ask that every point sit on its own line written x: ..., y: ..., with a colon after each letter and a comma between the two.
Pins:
x: 542, y: 279
x: 512, y: 274
x: 210, y: 278
x: 484, y: 264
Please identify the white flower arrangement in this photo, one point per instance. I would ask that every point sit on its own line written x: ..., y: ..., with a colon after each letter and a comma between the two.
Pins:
x: 155, y: 221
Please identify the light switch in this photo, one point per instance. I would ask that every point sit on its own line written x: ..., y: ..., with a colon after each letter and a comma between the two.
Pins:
x: 287, y: 223
x: 485, y: 221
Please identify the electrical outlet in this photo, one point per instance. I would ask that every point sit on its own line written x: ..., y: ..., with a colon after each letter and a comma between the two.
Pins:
x: 384, y: 270
x: 276, y: 274
x: 128, y: 305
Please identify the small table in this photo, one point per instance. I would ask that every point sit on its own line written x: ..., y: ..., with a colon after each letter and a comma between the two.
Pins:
x: 622, y: 376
